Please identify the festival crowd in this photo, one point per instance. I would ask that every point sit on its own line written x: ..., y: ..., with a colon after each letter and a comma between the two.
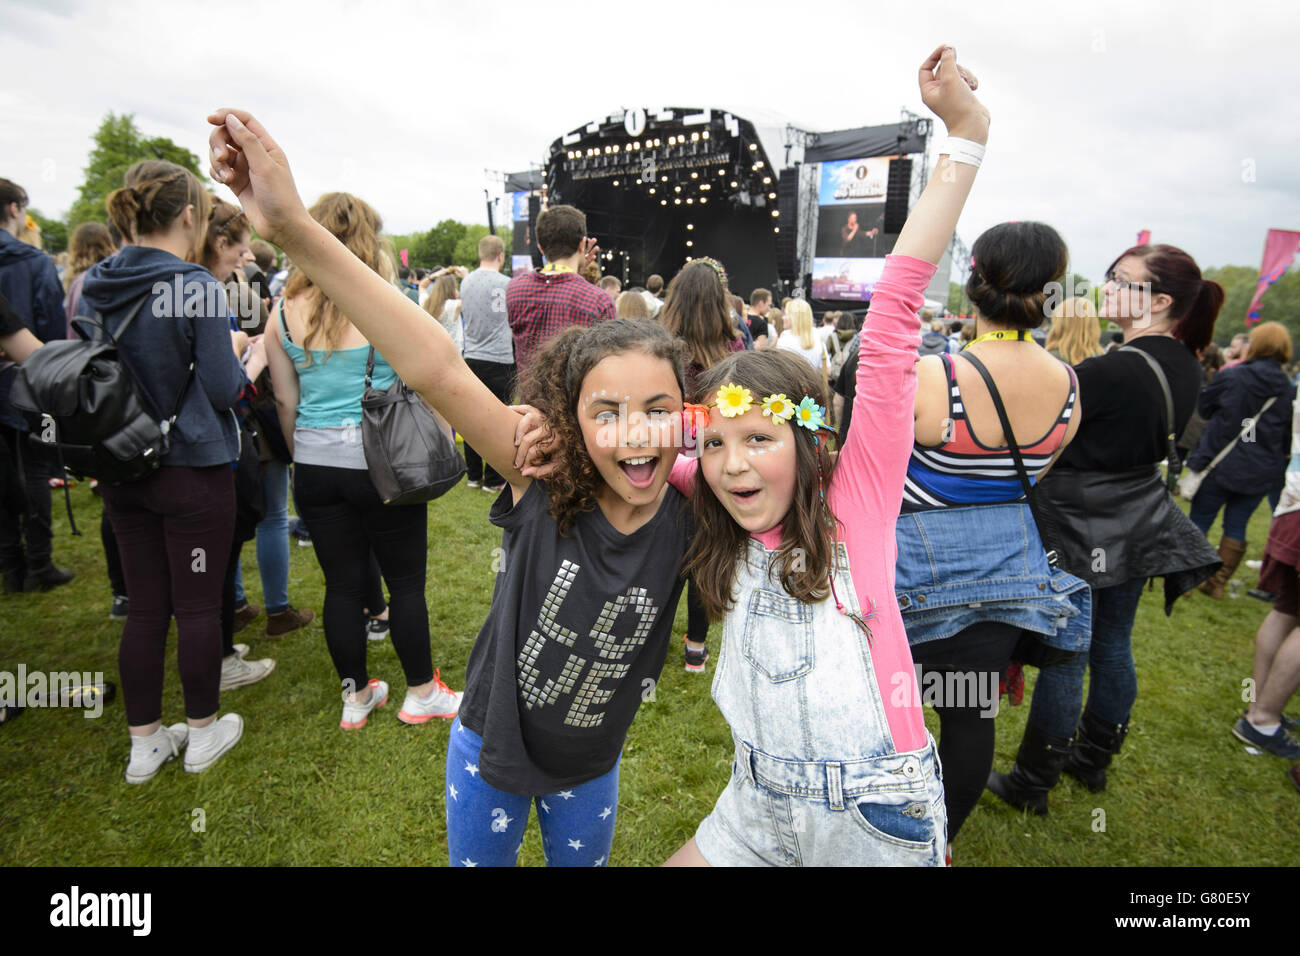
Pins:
x: 643, y: 442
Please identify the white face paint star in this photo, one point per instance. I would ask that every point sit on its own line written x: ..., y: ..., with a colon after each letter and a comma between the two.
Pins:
x: 471, y: 767
x: 545, y: 807
x: 576, y: 844
x: 600, y: 862
x: 468, y: 862
x: 566, y: 794
x: 605, y: 813
x: 452, y: 788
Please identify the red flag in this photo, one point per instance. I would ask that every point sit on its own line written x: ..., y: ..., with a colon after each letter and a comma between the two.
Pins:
x: 1144, y: 237
x: 405, y: 260
x: 1279, y: 250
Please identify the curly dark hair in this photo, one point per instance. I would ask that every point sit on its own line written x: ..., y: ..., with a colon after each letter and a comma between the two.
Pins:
x: 553, y: 385
x: 808, y: 530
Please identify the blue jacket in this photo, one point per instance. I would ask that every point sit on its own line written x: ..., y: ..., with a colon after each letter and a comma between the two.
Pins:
x: 185, y: 315
x: 30, y: 282
x: 1235, y: 394
x: 961, y: 566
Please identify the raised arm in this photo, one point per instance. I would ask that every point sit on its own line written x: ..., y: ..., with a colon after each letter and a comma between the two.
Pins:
x: 246, y: 159
x: 873, y: 463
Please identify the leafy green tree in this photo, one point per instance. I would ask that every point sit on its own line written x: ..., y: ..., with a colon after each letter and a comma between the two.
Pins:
x: 118, y: 144
x: 54, y: 234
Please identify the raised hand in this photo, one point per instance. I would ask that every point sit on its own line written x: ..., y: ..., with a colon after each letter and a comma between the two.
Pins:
x: 589, y: 250
x: 247, y: 159
x: 949, y: 90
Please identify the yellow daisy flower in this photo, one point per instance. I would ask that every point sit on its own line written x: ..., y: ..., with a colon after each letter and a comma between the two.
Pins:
x: 734, y: 400
x: 778, y: 408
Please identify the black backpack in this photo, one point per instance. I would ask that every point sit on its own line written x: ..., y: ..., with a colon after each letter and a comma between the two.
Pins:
x: 84, y: 409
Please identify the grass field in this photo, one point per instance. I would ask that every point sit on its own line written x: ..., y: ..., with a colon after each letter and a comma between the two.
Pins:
x: 298, y: 791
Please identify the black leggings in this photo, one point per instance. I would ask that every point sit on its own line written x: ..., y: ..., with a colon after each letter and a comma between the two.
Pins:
x: 697, y: 621
x: 347, y: 520
x: 966, y: 733
x: 116, y: 579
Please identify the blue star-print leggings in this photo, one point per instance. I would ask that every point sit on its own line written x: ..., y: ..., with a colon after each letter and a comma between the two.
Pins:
x: 485, y: 826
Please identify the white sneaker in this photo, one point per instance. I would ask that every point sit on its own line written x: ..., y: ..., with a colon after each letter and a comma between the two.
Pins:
x: 356, y: 713
x: 376, y: 629
x: 150, y: 753
x: 476, y: 484
x: 443, y: 702
x: 1254, y: 565
x: 207, y: 744
x: 241, y: 650
x: 237, y: 672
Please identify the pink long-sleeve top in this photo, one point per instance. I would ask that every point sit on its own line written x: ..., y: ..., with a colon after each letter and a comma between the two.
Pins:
x: 866, y: 487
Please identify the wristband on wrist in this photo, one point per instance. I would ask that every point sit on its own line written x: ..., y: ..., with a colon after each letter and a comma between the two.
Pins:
x: 964, y: 151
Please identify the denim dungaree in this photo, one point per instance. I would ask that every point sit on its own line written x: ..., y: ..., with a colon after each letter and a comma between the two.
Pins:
x: 816, y: 779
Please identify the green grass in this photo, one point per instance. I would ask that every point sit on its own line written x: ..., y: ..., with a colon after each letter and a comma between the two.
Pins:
x: 298, y: 791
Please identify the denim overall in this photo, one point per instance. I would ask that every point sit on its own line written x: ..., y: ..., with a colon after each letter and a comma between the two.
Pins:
x: 816, y: 780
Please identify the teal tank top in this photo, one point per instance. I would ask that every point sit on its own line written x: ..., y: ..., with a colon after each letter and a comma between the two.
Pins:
x: 331, y: 385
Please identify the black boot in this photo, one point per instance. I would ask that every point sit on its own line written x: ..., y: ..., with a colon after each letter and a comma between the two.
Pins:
x: 1095, y: 742
x: 13, y: 581
x: 1038, y: 767
x: 46, y: 577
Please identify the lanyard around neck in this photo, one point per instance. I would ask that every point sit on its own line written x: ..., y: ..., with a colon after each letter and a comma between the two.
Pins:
x: 555, y: 267
x: 1001, y: 335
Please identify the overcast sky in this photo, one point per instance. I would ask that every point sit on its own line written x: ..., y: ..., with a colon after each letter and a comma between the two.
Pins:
x: 1108, y: 118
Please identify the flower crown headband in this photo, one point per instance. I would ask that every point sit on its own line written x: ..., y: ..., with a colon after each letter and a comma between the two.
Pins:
x: 734, y: 400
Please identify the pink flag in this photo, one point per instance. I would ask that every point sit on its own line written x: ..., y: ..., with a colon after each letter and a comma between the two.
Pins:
x: 1279, y: 250
x: 405, y: 259
x: 1144, y: 237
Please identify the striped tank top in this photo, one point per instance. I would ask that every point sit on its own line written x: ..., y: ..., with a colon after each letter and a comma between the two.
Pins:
x: 964, y: 472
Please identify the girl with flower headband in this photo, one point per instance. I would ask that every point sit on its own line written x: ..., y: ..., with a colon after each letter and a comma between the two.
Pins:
x: 833, y: 766
x: 589, y: 569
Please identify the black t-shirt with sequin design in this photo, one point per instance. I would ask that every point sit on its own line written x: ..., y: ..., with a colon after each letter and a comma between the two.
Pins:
x: 575, y: 640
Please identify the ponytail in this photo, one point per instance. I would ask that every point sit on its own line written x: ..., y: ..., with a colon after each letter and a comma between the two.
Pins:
x: 1196, y: 328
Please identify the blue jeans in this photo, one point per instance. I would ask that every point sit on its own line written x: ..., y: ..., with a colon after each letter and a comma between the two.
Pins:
x: 1113, y: 687
x: 485, y: 826
x: 272, y: 541
x: 1237, y: 509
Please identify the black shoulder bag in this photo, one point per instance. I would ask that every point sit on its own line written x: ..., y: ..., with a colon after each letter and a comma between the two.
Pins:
x: 1029, y: 649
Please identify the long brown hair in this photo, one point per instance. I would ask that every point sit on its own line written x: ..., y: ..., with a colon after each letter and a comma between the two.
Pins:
x: 90, y: 243
x: 808, y: 529
x: 553, y: 385
x: 443, y: 291
x: 228, y: 222
x: 695, y: 309
x: 355, y: 224
x: 153, y: 194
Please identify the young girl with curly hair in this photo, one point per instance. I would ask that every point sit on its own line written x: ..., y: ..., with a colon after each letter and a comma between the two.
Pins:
x: 589, y: 566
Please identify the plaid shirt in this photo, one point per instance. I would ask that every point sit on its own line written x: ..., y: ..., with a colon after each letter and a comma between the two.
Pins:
x: 541, y: 304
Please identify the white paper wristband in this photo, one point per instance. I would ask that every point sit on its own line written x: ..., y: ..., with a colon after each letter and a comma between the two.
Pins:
x: 964, y: 151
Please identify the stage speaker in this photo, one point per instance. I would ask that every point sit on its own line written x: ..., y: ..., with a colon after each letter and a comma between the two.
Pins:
x: 897, y: 194
x: 534, y: 210
x: 787, y: 202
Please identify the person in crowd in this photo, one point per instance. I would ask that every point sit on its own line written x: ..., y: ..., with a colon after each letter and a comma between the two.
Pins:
x: 933, y: 341
x: 1165, y: 309
x: 963, y: 485
x: 91, y: 242
x: 1276, y: 670
x: 696, y: 311
x: 799, y: 338
x: 30, y: 282
x: 406, y: 282
x: 259, y: 271
x: 174, y: 527
x: 653, y: 294
x: 1255, y: 467
x: 224, y: 250
x: 444, y: 304
x: 775, y: 326
x: 489, y: 347
x: 318, y: 357
x: 1076, y: 331
x: 1235, y: 353
x: 631, y: 305
x: 760, y: 303
x: 814, y: 642
x: 612, y: 287
x: 592, y: 557
x: 1211, y: 362
x: 541, y: 302
x: 955, y: 341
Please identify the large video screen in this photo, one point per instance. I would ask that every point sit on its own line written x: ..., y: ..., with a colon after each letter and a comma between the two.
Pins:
x: 521, y: 259
x: 849, y: 253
